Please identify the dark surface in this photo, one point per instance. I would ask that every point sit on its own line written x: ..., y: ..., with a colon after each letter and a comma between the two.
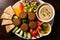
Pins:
x: 54, y: 35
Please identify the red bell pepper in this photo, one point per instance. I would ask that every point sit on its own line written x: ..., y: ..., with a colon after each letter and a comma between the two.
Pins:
x: 21, y: 7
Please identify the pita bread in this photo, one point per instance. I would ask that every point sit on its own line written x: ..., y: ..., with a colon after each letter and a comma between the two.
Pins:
x: 9, y: 11
x: 6, y: 16
x: 9, y: 28
x: 6, y: 22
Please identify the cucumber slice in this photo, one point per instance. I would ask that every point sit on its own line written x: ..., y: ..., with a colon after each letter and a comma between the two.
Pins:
x: 28, y: 35
x: 21, y: 33
x: 25, y: 34
x: 18, y: 30
x: 15, y: 29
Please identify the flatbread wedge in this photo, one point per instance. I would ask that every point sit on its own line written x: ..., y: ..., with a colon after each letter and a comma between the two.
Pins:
x: 9, y: 27
x: 6, y: 22
x: 6, y: 16
x: 9, y: 11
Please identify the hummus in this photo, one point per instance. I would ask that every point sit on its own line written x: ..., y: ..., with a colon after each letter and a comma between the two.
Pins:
x: 45, y: 12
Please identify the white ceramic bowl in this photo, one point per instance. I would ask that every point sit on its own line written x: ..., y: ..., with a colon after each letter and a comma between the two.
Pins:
x: 48, y: 32
x: 52, y: 10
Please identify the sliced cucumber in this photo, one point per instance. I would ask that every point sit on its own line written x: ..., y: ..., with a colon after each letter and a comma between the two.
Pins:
x: 25, y: 34
x: 18, y: 30
x: 28, y: 35
x: 21, y: 33
x: 15, y: 29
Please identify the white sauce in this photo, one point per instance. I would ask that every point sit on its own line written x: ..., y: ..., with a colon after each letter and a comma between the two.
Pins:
x: 45, y: 12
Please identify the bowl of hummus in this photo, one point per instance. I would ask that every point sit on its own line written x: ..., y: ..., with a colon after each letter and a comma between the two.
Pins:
x: 45, y: 12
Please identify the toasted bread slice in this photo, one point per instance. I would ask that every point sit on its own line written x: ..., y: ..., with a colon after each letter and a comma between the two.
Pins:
x: 9, y: 11
x: 6, y: 16
x: 9, y: 27
x: 6, y: 22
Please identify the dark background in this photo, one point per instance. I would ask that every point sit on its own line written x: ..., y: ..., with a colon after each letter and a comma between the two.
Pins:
x: 54, y: 35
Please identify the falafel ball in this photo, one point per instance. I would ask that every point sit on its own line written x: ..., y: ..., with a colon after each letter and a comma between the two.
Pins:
x: 16, y: 21
x: 31, y: 16
x: 33, y: 24
x: 23, y: 15
x: 24, y: 27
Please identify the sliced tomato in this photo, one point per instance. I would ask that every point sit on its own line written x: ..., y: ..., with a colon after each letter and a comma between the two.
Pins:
x: 39, y: 22
x: 35, y: 31
x: 34, y: 34
x: 39, y: 28
x: 21, y: 7
x: 31, y: 30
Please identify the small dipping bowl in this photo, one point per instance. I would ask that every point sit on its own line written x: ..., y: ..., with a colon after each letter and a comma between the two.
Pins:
x: 48, y: 31
x: 39, y: 9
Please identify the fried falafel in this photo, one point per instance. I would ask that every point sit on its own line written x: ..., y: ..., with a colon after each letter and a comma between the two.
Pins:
x: 24, y: 27
x: 23, y: 15
x: 16, y: 21
x: 31, y: 16
x: 33, y: 24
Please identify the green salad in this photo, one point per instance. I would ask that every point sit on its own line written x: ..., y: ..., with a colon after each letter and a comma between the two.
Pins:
x: 30, y: 6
